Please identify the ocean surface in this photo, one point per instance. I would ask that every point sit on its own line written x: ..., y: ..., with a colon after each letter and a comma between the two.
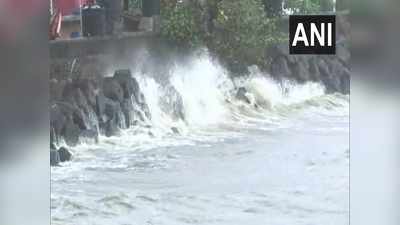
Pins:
x: 283, y: 159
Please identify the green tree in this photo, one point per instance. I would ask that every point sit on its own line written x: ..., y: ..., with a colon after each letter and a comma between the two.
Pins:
x: 179, y: 22
x: 308, y: 6
x: 244, y: 33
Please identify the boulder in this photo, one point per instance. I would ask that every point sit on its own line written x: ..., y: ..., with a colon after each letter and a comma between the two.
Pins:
x: 64, y: 154
x: 89, y: 135
x: 345, y: 82
x: 112, y: 89
x: 129, y: 84
x: 280, y: 68
x: 90, y: 89
x: 111, y: 120
x: 300, y: 70
x: 278, y: 50
x: 57, y: 121
x: 128, y: 111
x: 111, y: 128
x: 71, y: 133
x: 330, y: 70
x: 313, y: 69
x: 56, y: 88
x: 241, y: 95
x: 175, y: 130
x: 66, y: 120
x: 144, y: 107
x: 54, y: 157
x: 53, y: 136
x: 343, y: 54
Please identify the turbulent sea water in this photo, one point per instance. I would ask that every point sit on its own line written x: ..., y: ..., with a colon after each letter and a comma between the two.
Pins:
x: 285, y: 161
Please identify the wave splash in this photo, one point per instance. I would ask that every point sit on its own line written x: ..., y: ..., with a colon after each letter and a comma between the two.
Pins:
x: 201, y: 94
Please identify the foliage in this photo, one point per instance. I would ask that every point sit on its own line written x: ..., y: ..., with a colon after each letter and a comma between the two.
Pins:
x: 237, y: 32
x: 134, y: 4
x: 308, y: 6
x: 273, y: 7
x: 245, y: 32
x: 179, y: 22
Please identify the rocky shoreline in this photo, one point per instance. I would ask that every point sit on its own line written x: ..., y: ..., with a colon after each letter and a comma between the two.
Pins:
x: 331, y: 70
x: 84, y: 103
x: 81, y: 109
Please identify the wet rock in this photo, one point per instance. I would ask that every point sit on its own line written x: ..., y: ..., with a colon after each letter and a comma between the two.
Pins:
x: 54, y: 157
x: 71, y: 133
x: 66, y: 120
x: 100, y: 107
x: 64, y: 154
x: 90, y: 89
x: 74, y: 95
x: 301, y: 71
x: 175, y: 130
x: 330, y: 70
x: 313, y: 69
x: 56, y: 88
x: 343, y: 54
x: 57, y: 120
x: 241, y: 95
x: 111, y: 109
x: 88, y: 135
x: 112, y: 89
x: 129, y: 84
x: 53, y: 138
x: 278, y: 50
x: 111, y: 128
x: 110, y: 114
x: 85, y: 106
x: 280, y: 68
x: 144, y: 107
x: 345, y: 82
x: 128, y: 111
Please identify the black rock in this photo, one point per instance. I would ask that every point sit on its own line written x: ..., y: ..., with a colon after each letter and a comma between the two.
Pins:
x: 71, y: 133
x: 313, y: 69
x: 241, y: 95
x: 111, y: 128
x: 345, y: 82
x: 75, y: 96
x: 300, y: 70
x: 279, y: 50
x: 175, y: 130
x: 100, y: 107
x: 66, y: 121
x: 54, y: 158
x: 64, y: 154
x: 112, y: 89
x: 129, y: 84
x: 90, y: 88
x: 57, y: 121
x: 56, y: 89
x: 343, y: 54
x: 280, y: 68
x: 128, y: 111
x: 87, y: 135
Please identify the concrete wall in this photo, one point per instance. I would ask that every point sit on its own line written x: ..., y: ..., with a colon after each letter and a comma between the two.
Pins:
x: 117, y: 45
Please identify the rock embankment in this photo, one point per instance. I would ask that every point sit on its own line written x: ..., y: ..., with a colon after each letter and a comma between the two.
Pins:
x: 331, y: 70
x: 83, y: 108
